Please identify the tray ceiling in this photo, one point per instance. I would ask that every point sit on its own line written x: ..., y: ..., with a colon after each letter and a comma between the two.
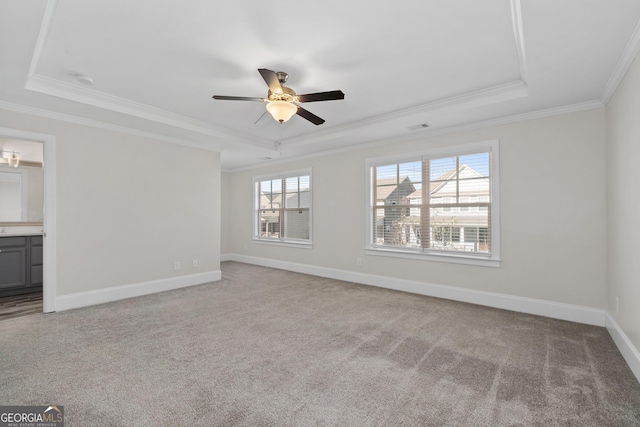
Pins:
x: 155, y: 66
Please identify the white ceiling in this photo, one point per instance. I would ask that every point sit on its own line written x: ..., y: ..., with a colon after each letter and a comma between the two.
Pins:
x: 451, y: 64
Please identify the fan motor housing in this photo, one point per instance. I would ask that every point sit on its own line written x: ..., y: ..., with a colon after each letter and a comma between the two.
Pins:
x: 287, y: 94
x: 278, y: 95
x: 282, y: 77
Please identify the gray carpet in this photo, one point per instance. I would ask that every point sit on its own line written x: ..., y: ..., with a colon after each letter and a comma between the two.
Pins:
x: 264, y: 347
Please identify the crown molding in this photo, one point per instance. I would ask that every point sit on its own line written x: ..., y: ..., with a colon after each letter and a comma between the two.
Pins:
x: 49, y: 86
x: 45, y: 25
x: 24, y: 109
x: 105, y: 101
x: 624, y: 62
x: 540, y: 114
x: 428, y: 133
x: 491, y: 95
x: 534, y: 115
x: 518, y: 32
x: 494, y: 94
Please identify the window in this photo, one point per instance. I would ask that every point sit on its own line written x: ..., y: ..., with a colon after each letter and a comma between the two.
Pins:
x: 441, y: 204
x: 283, y: 208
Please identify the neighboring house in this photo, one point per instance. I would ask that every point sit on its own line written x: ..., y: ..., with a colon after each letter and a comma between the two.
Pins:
x: 459, y: 211
x: 393, y: 194
x: 273, y: 215
x: 270, y: 204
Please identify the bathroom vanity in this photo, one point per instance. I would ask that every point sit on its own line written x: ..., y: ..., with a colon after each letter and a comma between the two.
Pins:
x: 21, y: 218
x: 20, y: 264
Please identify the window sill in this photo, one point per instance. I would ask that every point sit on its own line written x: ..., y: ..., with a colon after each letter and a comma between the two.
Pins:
x: 445, y: 257
x: 285, y: 243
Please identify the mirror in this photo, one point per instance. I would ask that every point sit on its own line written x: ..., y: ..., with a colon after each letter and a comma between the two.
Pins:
x: 21, y: 186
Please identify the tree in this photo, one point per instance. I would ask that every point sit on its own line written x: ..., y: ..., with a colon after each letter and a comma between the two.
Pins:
x: 442, y: 230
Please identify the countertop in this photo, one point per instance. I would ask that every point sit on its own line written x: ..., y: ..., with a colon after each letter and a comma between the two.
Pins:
x: 20, y: 230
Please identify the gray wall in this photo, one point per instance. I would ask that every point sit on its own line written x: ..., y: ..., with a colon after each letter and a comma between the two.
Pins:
x: 128, y: 207
x: 553, y: 237
x: 623, y: 215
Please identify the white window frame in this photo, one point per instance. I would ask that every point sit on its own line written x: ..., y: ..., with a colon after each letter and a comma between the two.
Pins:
x: 281, y: 241
x: 492, y: 259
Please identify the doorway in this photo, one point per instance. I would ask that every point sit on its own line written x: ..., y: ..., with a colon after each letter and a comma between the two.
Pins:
x: 48, y: 210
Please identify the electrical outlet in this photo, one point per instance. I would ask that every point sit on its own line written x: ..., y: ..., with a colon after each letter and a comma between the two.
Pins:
x: 194, y: 263
x: 176, y: 265
x: 359, y: 262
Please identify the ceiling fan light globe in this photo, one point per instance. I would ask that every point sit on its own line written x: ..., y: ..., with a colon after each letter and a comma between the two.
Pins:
x: 281, y: 110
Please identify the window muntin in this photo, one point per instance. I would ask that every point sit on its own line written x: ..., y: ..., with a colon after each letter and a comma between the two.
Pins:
x: 283, y: 208
x: 451, y: 195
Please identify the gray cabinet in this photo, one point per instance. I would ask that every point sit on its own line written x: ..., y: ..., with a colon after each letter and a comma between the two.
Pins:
x: 20, y: 264
x: 35, y: 261
x: 13, y: 262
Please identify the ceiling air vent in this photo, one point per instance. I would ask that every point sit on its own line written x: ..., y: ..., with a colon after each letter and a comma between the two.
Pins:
x: 418, y: 127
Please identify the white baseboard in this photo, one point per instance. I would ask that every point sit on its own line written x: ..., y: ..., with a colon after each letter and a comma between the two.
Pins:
x: 626, y: 347
x: 100, y: 296
x: 556, y: 310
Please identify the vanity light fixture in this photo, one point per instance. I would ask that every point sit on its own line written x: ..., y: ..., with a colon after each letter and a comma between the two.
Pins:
x: 13, y: 160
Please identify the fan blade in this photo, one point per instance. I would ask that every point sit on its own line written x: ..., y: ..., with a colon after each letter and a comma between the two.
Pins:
x: 271, y: 79
x: 238, y: 98
x: 321, y: 96
x: 309, y: 116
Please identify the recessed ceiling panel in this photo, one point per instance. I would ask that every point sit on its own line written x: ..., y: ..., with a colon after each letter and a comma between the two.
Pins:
x: 156, y: 64
x: 387, y: 57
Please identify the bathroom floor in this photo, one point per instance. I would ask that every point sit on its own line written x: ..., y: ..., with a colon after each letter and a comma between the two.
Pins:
x: 20, y: 305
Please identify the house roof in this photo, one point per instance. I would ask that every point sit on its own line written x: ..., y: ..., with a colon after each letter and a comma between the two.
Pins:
x: 386, y: 187
x: 438, y: 186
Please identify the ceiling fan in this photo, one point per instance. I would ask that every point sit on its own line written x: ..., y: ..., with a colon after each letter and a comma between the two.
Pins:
x: 282, y: 101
